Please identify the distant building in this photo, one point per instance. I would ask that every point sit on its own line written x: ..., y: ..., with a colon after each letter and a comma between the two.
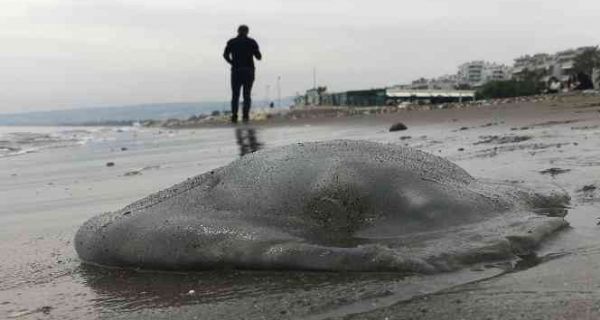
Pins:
x: 477, y: 73
x: 496, y: 72
x: 552, y: 69
x: 312, y: 97
x: 471, y: 73
x: 399, y: 94
x: 446, y: 82
x: 558, y: 65
x: 356, y: 98
x: 539, y: 63
x: 299, y: 100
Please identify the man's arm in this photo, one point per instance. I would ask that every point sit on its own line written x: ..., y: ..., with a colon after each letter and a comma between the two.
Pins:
x: 257, y: 53
x: 227, y: 54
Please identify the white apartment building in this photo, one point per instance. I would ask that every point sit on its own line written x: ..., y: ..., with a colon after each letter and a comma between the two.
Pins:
x: 478, y: 73
x: 558, y: 65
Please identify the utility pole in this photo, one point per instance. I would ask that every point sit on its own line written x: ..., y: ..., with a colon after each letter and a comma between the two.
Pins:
x: 279, y: 91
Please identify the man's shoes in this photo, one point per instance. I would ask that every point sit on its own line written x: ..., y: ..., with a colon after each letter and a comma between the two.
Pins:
x: 245, y: 119
x: 234, y: 119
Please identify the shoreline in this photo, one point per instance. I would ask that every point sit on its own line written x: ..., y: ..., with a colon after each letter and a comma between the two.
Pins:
x: 331, y: 115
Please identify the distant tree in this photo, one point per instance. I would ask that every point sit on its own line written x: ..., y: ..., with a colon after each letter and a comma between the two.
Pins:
x: 535, y: 76
x: 509, y: 89
x: 586, y: 62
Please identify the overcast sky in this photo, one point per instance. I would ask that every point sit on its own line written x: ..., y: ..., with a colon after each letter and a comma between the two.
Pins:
x: 57, y: 54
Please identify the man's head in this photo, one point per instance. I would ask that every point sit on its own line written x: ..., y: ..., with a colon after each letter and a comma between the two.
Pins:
x: 243, y: 30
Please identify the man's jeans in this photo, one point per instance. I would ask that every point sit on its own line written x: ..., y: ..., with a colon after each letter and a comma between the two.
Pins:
x: 242, y: 78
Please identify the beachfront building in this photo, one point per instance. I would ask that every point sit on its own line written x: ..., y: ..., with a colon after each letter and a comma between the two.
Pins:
x: 477, y: 73
x: 547, y: 66
x: 445, y: 82
x: 312, y: 97
x: 471, y: 73
x: 564, y: 61
x: 399, y: 94
x: 418, y: 92
x: 356, y: 98
x: 299, y: 100
x: 538, y: 64
x: 496, y: 72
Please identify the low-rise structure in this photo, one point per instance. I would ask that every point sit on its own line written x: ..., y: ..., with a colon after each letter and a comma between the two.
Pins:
x: 397, y: 95
x: 356, y: 98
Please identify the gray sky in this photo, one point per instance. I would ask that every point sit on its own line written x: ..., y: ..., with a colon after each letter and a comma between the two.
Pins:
x: 57, y: 54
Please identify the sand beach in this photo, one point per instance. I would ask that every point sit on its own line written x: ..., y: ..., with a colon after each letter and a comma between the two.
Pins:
x: 54, y: 179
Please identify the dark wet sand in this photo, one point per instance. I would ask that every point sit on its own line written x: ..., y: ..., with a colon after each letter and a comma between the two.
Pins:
x: 47, y: 195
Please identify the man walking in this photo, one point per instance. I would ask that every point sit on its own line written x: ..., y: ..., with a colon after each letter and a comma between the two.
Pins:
x: 240, y: 53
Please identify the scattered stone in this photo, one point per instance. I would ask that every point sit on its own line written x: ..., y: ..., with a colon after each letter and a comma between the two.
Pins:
x: 585, y: 127
x: 463, y: 128
x: 554, y: 171
x: 45, y: 309
x: 503, y: 139
x: 398, y: 127
x: 123, y: 149
x: 191, y: 292
x: 588, y: 188
x: 461, y: 149
x: 405, y: 137
x: 110, y: 164
x: 552, y: 123
x: 133, y: 173
x: 23, y: 313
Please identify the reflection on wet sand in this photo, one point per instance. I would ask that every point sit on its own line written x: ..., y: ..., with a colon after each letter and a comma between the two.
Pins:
x: 127, y: 293
x: 246, y: 139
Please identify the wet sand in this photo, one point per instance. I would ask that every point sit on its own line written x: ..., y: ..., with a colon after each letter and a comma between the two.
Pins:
x: 47, y: 195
